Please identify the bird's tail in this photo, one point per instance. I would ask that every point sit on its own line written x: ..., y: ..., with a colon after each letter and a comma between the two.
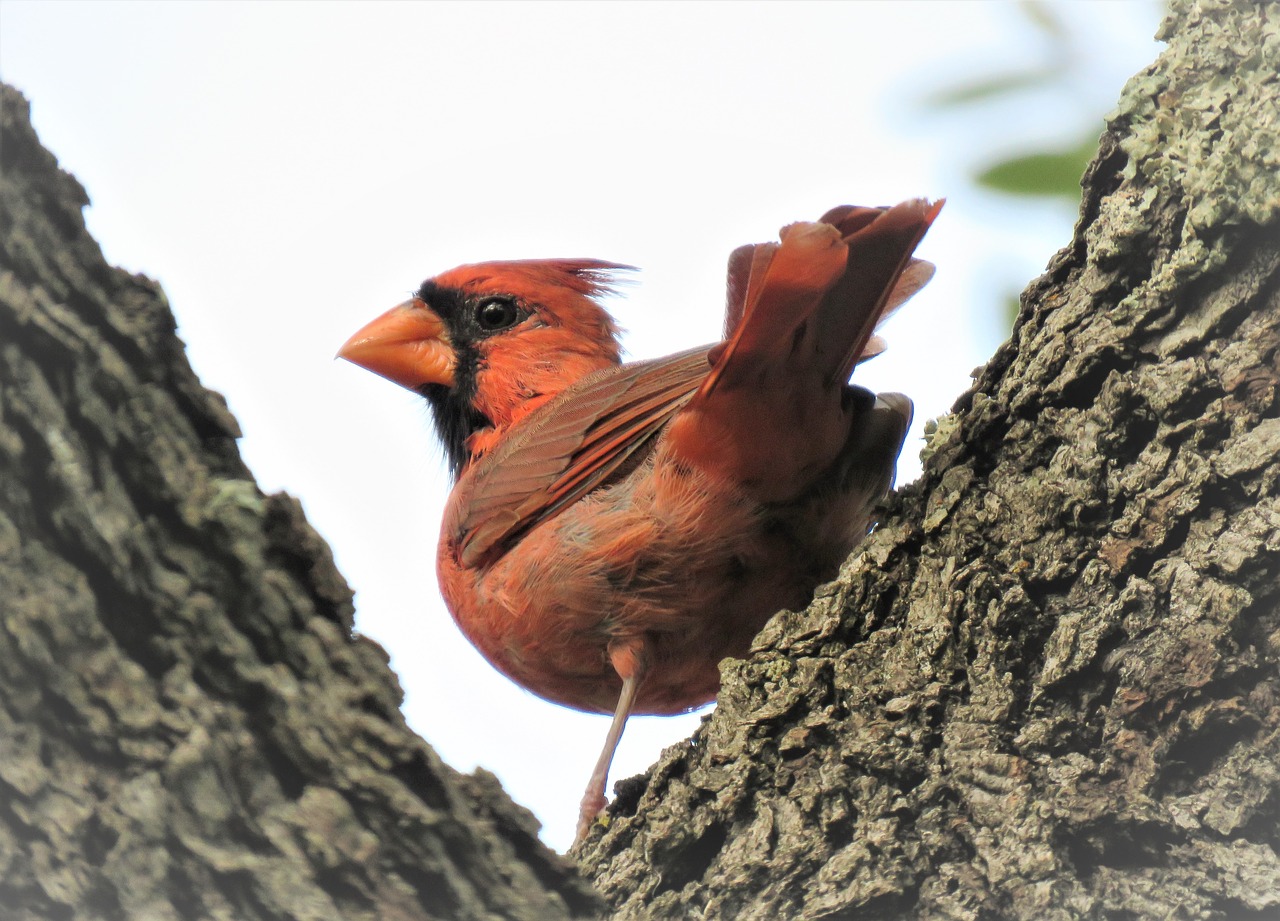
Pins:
x: 801, y: 313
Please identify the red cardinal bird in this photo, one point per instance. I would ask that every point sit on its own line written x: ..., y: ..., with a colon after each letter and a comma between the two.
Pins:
x: 616, y: 530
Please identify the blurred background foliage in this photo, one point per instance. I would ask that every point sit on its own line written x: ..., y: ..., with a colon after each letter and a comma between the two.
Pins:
x: 1025, y: 162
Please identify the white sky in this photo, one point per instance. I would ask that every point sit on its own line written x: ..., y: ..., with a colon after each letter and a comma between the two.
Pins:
x: 287, y: 171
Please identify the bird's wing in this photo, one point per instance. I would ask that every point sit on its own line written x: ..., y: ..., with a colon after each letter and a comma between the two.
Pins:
x: 568, y: 447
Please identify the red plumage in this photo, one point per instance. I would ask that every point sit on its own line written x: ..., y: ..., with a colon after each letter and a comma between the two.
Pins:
x: 616, y: 530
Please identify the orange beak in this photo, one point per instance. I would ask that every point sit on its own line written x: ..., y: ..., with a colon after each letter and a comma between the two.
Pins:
x: 408, y: 344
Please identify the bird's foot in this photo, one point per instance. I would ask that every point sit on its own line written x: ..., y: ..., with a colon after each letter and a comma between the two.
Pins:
x: 593, y: 803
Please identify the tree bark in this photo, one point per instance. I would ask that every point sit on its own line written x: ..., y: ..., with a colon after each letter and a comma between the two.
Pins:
x: 1047, y: 687
x: 188, y: 727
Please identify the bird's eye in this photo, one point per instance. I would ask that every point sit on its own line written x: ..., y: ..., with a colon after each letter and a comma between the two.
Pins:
x: 494, y: 313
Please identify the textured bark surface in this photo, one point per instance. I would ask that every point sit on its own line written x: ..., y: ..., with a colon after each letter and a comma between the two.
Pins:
x: 188, y: 728
x: 1049, y: 686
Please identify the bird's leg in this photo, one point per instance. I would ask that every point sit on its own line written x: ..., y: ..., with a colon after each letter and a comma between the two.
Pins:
x: 630, y: 660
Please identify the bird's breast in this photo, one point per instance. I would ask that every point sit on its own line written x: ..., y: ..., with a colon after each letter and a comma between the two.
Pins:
x: 669, y: 552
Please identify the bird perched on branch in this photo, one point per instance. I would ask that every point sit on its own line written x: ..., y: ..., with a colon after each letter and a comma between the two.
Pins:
x: 615, y: 530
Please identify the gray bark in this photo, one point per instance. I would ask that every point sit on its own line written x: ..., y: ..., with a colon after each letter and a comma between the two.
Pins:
x: 1048, y: 686
x: 188, y: 727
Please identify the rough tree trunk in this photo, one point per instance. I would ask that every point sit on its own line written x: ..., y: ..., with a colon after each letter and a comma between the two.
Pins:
x: 1047, y: 687
x: 188, y: 728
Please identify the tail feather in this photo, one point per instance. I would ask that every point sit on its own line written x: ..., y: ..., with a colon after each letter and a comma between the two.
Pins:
x: 878, y: 257
x: 914, y: 277
x: 849, y: 219
x: 800, y: 315
x: 797, y: 274
x: 748, y: 265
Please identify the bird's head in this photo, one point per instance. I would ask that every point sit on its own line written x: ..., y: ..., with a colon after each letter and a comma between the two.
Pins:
x: 488, y: 343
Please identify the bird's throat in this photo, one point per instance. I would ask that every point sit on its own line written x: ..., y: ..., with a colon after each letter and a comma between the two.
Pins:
x: 456, y: 420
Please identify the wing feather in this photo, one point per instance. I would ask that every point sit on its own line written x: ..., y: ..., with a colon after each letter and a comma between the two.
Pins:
x: 569, y: 447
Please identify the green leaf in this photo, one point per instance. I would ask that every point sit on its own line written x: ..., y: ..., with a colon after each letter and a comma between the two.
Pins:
x: 1043, y: 17
x: 1009, y: 310
x: 1053, y: 174
x: 990, y: 88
